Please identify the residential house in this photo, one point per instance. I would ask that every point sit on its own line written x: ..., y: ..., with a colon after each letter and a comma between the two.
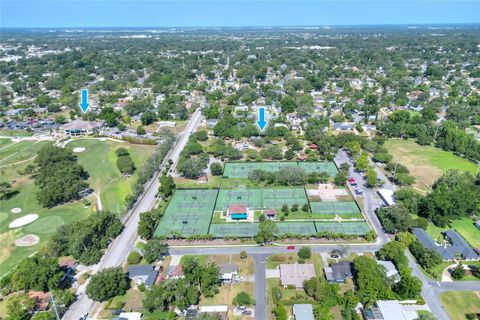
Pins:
x: 228, y: 271
x: 303, y: 312
x: 143, y: 274
x: 391, y: 271
x: 212, y: 123
x: 339, y: 272
x: 296, y: 274
x: 41, y: 300
x: 129, y: 316
x: 389, y: 310
x: 175, y: 272
x: 454, y: 248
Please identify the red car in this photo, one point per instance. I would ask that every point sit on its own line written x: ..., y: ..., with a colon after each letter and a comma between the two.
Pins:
x: 291, y: 248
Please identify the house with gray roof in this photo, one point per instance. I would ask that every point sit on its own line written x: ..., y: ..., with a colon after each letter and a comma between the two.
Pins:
x: 339, y: 272
x: 303, y: 312
x: 143, y: 274
x: 455, y: 248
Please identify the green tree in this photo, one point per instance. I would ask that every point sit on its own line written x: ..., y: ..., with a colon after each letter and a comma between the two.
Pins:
x: 141, y: 130
x: 266, y: 231
x: 154, y: 249
x: 19, y: 306
x: 216, y: 169
x: 362, y: 162
x: 148, y: 223
x: 107, y: 284
x: 371, y: 280
x: 59, y: 176
x: 6, y: 190
x: 408, y: 287
x: 395, y: 218
x: 280, y: 312
x: 167, y: 186
x: 242, y: 299
x: 36, y: 273
x: 458, y: 272
x: 134, y: 257
x: 371, y: 177
x: 305, y: 253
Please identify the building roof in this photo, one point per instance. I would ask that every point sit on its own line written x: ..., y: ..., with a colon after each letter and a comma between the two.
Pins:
x: 389, y: 267
x: 228, y: 268
x: 337, y: 271
x: 271, y: 212
x: 295, y: 274
x: 138, y: 271
x: 81, y: 125
x: 237, y: 208
x: 130, y: 315
x: 303, y: 312
x: 458, y: 246
x: 42, y: 299
x: 392, y: 310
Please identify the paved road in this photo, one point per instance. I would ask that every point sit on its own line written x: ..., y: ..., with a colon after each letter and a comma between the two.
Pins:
x: 119, y: 249
x: 260, y: 287
x: 372, y: 201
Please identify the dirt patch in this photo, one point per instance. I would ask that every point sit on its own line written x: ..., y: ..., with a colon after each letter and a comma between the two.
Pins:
x: 17, y: 223
x: 27, y: 240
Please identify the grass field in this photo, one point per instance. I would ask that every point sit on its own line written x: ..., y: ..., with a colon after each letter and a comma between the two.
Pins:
x: 461, y: 303
x: 20, y: 151
x: 102, y: 174
x: 426, y: 163
x: 99, y: 160
x: 464, y: 227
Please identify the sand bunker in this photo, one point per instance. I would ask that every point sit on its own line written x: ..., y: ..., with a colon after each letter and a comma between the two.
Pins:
x: 78, y: 149
x: 29, y: 218
x: 27, y: 240
x: 16, y: 210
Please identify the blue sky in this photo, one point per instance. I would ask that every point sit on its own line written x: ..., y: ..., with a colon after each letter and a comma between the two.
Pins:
x: 163, y: 13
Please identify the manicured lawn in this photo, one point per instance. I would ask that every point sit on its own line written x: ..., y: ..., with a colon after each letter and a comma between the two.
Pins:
x: 20, y: 151
x: 426, y: 163
x: 461, y: 303
x: 468, y: 231
x: 213, y: 182
x: 465, y: 227
x: 99, y: 160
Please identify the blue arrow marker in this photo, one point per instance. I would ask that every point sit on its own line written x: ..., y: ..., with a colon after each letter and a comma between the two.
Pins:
x: 84, y: 103
x: 261, y: 118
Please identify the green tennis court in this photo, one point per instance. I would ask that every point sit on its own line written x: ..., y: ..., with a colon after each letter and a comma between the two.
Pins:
x: 353, y: 228
x: 242, y: 169
x: 240, y: 230
x: 250, y: 229
x: 328, y: 167
x: 276, y: 198
x: 189, y: 212
x: 334, y: 207
x: 252, y: 198
x: 303, y: 228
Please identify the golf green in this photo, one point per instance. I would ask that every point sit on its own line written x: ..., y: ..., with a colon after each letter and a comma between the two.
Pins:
x: 45, y: 225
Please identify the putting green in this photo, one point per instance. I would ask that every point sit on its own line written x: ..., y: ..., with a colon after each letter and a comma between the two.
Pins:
x: 45, y: 225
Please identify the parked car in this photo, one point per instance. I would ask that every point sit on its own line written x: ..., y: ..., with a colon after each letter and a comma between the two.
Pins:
x: 291, y: 248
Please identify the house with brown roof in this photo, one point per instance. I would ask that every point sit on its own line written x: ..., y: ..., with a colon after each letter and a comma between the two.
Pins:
x: 296, y: 274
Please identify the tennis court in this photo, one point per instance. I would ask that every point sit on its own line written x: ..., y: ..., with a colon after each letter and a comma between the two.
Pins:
x: 276, y: 198
x: 240, y: 230
x: 189, y: 212
x: 335, y: 207
x: 328, y: 167
x: 354, y: 228
x: 250, y: 197
x: 250, y: 229
x: 303, y: 228
x: 242, y: 169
